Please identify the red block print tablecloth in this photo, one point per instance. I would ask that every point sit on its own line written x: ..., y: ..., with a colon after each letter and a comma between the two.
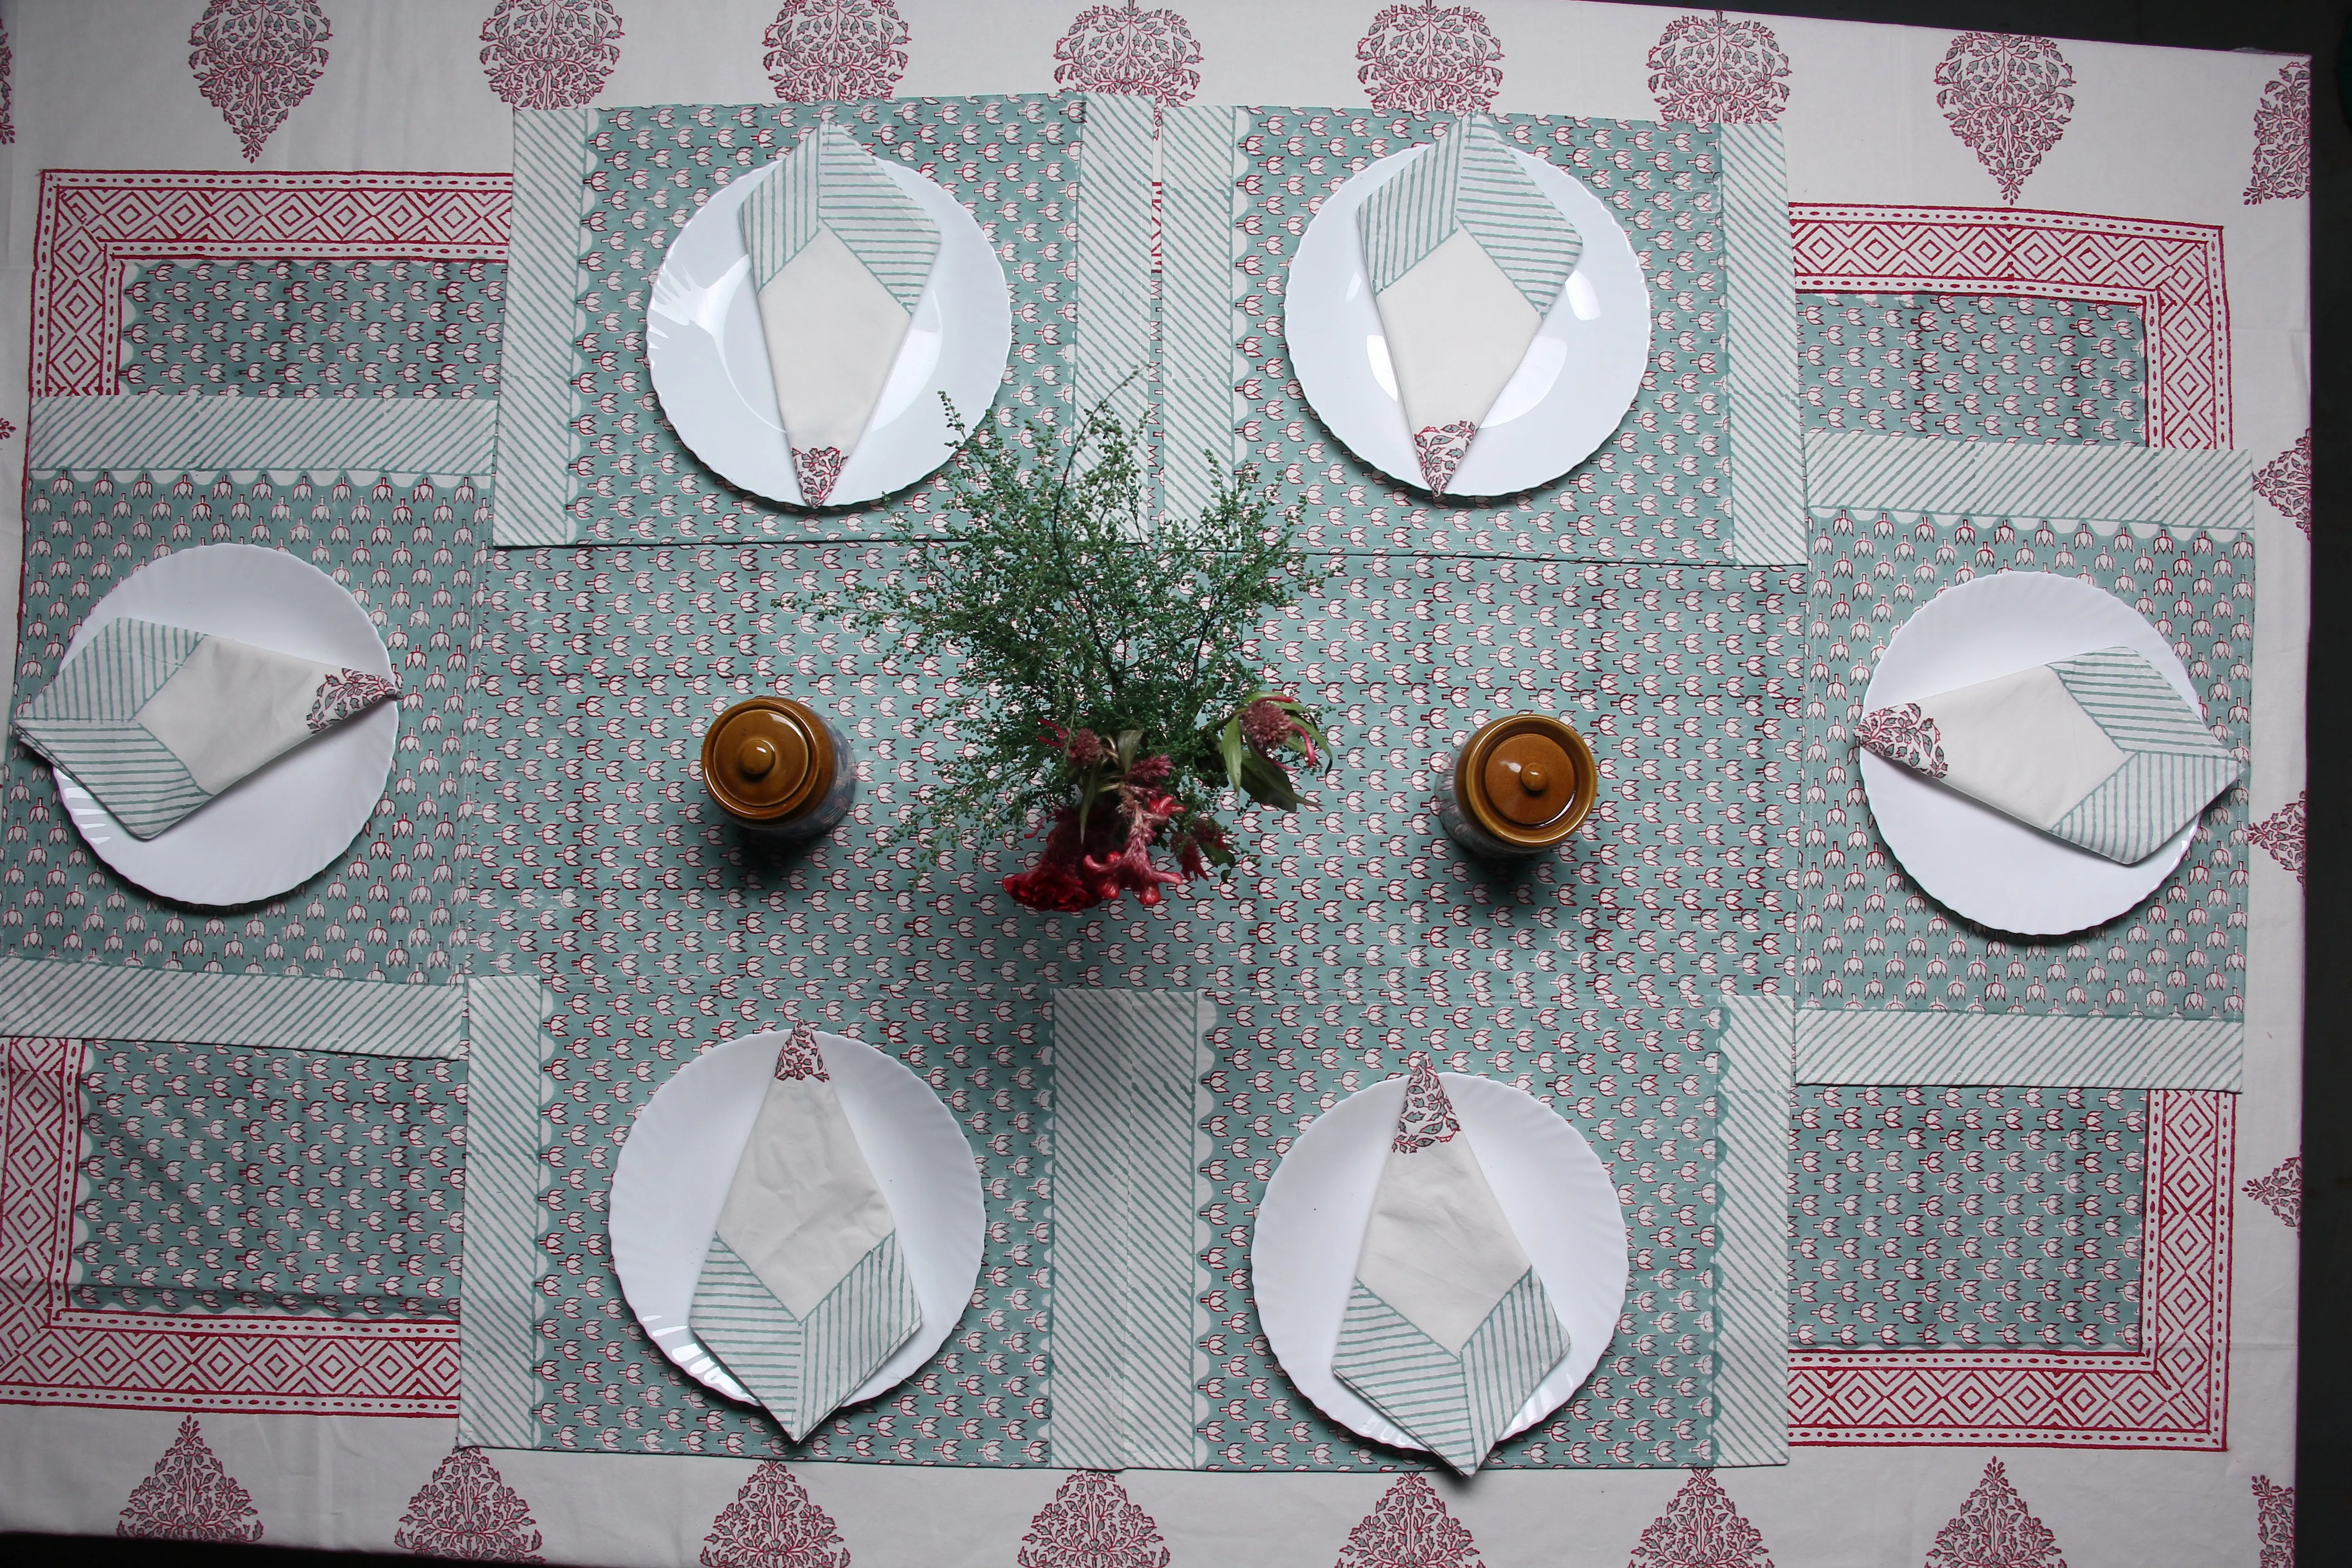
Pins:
x: 1947, y: 1246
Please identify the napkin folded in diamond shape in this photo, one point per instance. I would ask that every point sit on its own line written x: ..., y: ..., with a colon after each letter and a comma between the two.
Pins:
x: 2099, y: 749
x: 839, y: 259
x: 1467, y: 256
x: 155, y: 721
x: 805, y: 1293
x: 1448, y: 1329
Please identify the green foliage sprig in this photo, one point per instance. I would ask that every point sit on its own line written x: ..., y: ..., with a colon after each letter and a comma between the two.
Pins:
x: 1099, y: 640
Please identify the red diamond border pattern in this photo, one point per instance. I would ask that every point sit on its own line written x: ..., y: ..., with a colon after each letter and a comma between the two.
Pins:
x: 53, y: 1354
x: 2172, y: 1392
x: 95, y: 224
x: 2170, y: 272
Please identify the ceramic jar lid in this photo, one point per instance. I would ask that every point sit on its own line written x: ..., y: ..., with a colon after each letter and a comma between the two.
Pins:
x: 1528, y: 779
x: 767, y: 758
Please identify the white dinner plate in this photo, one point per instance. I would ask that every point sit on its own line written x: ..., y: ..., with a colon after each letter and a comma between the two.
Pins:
x: 1572, y: 388
x: 709, y: 360
x: 278, y: 827
x: 1560, y: 1198
x: 674, y: 1172
x: 1977, y: 862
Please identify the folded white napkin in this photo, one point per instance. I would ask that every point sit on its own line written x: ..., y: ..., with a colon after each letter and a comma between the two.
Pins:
x: 2099, y: 749
x: 803, y: 1292
x: 1467, y: 256
x: 155, y: 721
x: 1448, y: 1329
x: 839, y: 258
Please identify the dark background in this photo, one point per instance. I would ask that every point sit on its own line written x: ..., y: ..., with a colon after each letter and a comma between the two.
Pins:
x: 2315, y: 28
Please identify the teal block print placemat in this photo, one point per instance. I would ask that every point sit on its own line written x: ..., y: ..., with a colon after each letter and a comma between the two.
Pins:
x: 1013, y: 162
x: 1967, y: 1218
x: 221, y: 1180
x: 1656, y: 490
x: 313, y: 329
x: 1973, y: 367
x: 1866, y: 937
x: 408, y: 549
x: 660, y: 930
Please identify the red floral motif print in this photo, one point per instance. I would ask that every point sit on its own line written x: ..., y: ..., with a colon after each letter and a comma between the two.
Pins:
x: 1409, y: 1528
x: 551, y: 54
x: 2284, y: 832
x: 6, y: 429
x: 2006, y: 96
x: 2274, y: 1522
x: 1715, y: 70
x: 1441, y: 449
x: 827, y: 51
x: 817, y: 467
x: 8, y: 87
x: 467, y: 1512
x: 1428, y: 1118
x: 1701, y: 1529
x: 255, y: 59
x: 344, y: 693
x: 1904, y: 735
x: 2283, y: 137
x: 2281, y: 1191
x: 800, y: 1057
x: 1127, y: 50
x: 1419, y: 59
x: 189, y: 1496
x: 1092, y: 1524
x: 773, y: 1523
x: 1994, y: 1529
x: 2285, y: 482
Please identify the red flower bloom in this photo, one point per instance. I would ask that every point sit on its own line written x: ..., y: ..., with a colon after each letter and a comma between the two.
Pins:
x: 1268, y: 726
x: 1076, y: 870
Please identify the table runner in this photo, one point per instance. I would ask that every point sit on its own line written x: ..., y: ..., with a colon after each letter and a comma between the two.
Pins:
x: 1674, y: 592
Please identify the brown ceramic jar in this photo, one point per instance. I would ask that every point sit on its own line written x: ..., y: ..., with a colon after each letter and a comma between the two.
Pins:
x: 776, y: 767
x: 1521, y: 787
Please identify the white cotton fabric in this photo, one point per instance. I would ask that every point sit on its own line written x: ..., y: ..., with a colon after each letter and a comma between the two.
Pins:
x: 804, y: 1207
x: 2021, y: 743
x: 1437, y: 1247
x: 833, y: 333
x: 1457, y: 328
x: 232, y: 708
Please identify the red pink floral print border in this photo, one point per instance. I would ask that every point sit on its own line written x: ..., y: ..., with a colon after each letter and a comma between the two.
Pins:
x: 2170, y: 272
x: 53, y: 1354
x: 2172, y: 1392
x: 96, y: 223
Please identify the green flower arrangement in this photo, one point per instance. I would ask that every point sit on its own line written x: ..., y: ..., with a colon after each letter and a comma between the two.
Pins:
x: 1114, y: 715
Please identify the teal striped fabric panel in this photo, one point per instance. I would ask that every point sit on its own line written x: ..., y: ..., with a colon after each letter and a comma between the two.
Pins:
x: 1202, y: 166
x: 802, y: 1368
x: 507, y: 1094
x: 443, y: 435
x: 290, y: 1012
x: 1471, y: 180
x: 87, y: 723
x: 1456, y: 1405
x: 1127, y: 1192
x: 1838, y: 1046
x: 1113, y: 341
x: 2142, y: 803
x: 1864, y: 469
x: 537, y: 400
x: 830, y: 181
x: 743, y: 1325
x: 1751, y: 1292
x: 1760, y: 331
x: 2135, y: 705
x: 2173, y: 767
